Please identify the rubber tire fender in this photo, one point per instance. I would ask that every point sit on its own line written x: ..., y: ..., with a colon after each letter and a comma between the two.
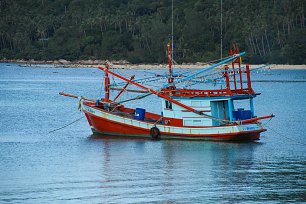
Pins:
x: 155, y: 133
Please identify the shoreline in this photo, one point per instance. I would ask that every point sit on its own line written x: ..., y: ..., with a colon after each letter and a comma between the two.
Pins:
x: 122, y: 64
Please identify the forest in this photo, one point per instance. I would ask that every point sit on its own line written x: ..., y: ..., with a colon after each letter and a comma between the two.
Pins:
x: 270, y: 31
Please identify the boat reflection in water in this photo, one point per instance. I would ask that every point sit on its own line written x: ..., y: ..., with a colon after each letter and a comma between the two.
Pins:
x: 175, y: 170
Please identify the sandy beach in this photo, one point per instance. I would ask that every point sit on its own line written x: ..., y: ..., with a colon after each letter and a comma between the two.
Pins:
x: 123, y: 64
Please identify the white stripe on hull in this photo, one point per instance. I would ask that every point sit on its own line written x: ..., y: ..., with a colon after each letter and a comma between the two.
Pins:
x: 173, y: 129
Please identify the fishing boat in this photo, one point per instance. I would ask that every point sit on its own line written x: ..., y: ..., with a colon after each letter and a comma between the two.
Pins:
x: 186, y: 113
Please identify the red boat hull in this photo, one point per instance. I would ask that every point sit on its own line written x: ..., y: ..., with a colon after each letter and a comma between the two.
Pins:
x: 105, y: 127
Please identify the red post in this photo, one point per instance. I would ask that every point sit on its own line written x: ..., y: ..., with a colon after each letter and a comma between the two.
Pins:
x: 236, y: 51
x: 240, y: 73
x: 234, y: 72
x: 228, y: 86
x: 106, y: 84
x: 247, y: 68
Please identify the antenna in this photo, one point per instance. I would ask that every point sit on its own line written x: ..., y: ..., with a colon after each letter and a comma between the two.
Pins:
x: 221, y: 32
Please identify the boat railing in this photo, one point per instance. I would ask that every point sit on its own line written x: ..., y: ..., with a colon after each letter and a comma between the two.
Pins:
x: 206, y: 93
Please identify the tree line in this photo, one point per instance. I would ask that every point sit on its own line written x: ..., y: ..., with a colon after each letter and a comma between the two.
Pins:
x: 270, y: 31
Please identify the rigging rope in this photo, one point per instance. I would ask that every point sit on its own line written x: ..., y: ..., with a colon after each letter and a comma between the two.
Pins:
x: 282, y: 135
x: 66, y: 125
x: 136, y: 98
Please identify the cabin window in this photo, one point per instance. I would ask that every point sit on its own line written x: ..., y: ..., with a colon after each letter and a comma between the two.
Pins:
x: 196, y: 103
x: 168, y: 104
x: 197, y: 122
x: 193, y: 122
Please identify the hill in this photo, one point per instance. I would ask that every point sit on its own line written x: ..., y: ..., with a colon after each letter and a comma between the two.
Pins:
x: 138, y: 30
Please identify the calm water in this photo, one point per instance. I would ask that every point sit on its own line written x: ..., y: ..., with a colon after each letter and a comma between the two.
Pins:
x: 70, y: 166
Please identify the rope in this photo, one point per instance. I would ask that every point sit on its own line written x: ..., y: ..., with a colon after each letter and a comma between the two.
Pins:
x: 282, y: 135
x: 158, y: 120
x: 67, y: 125
x: 136, y: 98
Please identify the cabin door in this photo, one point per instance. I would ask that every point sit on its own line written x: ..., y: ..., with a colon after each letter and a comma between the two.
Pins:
x: 219, y: 109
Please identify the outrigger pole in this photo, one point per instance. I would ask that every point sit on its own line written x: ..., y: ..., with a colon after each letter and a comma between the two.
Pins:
x: 124, y: 88
x: 75, y: 96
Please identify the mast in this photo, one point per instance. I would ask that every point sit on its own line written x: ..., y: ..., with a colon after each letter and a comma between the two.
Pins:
x: 169, y: 58
x: 172, y: 40
x: 170, y: 53
x: 221, y: 43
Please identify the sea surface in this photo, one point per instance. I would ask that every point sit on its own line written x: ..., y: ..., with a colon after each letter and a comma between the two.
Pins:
x: 71, y: 166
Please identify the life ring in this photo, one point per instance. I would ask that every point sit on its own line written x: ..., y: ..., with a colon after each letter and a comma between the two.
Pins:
x: 155, y: 133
